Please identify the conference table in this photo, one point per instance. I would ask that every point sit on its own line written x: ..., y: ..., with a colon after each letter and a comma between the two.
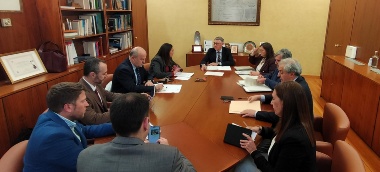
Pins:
x: 195, y: 119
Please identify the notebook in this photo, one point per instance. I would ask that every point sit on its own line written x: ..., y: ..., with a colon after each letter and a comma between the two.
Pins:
x: 234, y: 133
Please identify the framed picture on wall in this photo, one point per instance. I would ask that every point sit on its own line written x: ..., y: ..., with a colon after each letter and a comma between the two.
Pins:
x: 10, y: 5
x: 197, y: 49
x: 240, y: 12
x: 22, y: 65
x: 234, y: 49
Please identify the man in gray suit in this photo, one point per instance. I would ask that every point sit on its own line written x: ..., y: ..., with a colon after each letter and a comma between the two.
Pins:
x: 128, y: 151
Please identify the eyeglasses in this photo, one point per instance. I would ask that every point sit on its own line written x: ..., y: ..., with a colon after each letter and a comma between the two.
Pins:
x: 216, y: 43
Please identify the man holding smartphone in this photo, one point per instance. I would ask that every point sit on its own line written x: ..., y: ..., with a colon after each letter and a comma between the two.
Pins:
x: 127, y: 151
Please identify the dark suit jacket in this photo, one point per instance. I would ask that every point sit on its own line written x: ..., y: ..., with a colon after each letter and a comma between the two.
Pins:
x: 96, y: 112
x: 54, y: 147
x: 132, y: 154
x: 293, y: 152
x: 124, y: 79
x: 272, y: 117
x: 157, y: 67
x: 227, y: 59
x: 268, y: 66
x: 272, y: 79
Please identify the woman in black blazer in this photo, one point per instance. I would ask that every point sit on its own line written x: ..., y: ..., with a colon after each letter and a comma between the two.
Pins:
x: 262, y: 58
x: 162, y: 65
x: 293, y: 142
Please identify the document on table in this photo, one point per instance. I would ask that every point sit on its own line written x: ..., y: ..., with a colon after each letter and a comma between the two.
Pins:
x: 243, y: 68
x: 214, y: 73
x: 170, y: 88
x: 184, y: 74
x: 237, y: 106
x: 225, y: 68
x: 244, y: 72
x: 256, y: 88
x: 246, y: 76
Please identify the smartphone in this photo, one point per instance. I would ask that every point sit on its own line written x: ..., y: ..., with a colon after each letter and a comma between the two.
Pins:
x: 154, y: 134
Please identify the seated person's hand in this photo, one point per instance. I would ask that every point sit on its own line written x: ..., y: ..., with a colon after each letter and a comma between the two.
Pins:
x: 204, y: 67
x: 255, y: 52
x: 254, y: 98
x: 163, y: 141
x: 255, y: 128
x: 159, y: 87
x: 248, y: 144
x: 176, y: 69
x: 149, y: 83
x: 254, y: 73
x: 248, y: 113
x: 261, y: 80
x: 213, y: 64
x: 260, y: 76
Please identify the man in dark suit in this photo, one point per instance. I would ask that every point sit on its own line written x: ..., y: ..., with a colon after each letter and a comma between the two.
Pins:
x: 57, y: 139
x: 95, y: 71
x: 217, y: 56
x: 288, y: 70
x: 272, y: 79
x: 131, y: 76
x: 127, y: 151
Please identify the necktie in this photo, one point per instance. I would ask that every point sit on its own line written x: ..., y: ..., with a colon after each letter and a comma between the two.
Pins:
x: 138, y: 76
x: 219, y: 56
x: 97, y: 96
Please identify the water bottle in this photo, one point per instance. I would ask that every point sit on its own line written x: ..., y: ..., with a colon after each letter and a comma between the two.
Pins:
x: 375, y: 60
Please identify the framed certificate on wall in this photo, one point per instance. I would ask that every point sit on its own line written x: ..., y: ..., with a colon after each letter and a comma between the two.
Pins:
x: 237, y: 12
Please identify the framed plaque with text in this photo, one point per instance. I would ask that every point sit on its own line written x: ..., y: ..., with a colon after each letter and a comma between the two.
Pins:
x: 237, y: 12
x: 22, y: 65
x: 197, y: 49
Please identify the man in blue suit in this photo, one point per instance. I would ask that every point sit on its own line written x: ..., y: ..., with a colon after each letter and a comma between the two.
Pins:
x: 57, y: 139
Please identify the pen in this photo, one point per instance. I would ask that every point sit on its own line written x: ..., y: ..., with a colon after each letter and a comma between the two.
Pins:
x: 245, y: 124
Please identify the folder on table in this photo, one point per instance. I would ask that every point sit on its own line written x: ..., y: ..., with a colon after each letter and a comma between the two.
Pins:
x: 234, y: 134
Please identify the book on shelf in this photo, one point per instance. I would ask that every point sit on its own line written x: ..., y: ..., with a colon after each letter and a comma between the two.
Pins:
x: 121, y: 40
x: 115, y: 42
x: 90, y: 4
x: 70, y: 34
x: 92, y: 48
x: 67, y: 7
x: 71, y: 53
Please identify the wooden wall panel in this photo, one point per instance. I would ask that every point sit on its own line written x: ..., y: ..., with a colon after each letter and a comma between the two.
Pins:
x: 72, y: 77
x: 333, y: 81
x: 376, y: 134
x: 111, y: 65
x: 23, y: 34
x: 4, y: 141
x: 360, y: 100
x: 366, y: 29
x: 23, y: 108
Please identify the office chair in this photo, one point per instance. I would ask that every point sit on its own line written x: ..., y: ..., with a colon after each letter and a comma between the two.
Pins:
x: 344, y: 158
x: 13, y: 159
x: 332, y: 127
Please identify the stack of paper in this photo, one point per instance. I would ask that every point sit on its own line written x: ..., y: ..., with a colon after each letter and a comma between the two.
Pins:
x: 243, y: 68
x: 244, y: 72
x: 239, y: 106
x: 225, y: 68
x: 214, y: 73
x: 183, y: 75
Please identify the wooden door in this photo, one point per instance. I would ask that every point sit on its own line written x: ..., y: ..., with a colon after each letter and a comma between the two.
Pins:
x: 339, y: 26
x: 332, y: 81
x: 366, y: 29
x: 140, y: 25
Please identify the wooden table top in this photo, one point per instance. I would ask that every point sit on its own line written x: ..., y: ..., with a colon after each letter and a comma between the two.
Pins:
x: 195, y: 119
